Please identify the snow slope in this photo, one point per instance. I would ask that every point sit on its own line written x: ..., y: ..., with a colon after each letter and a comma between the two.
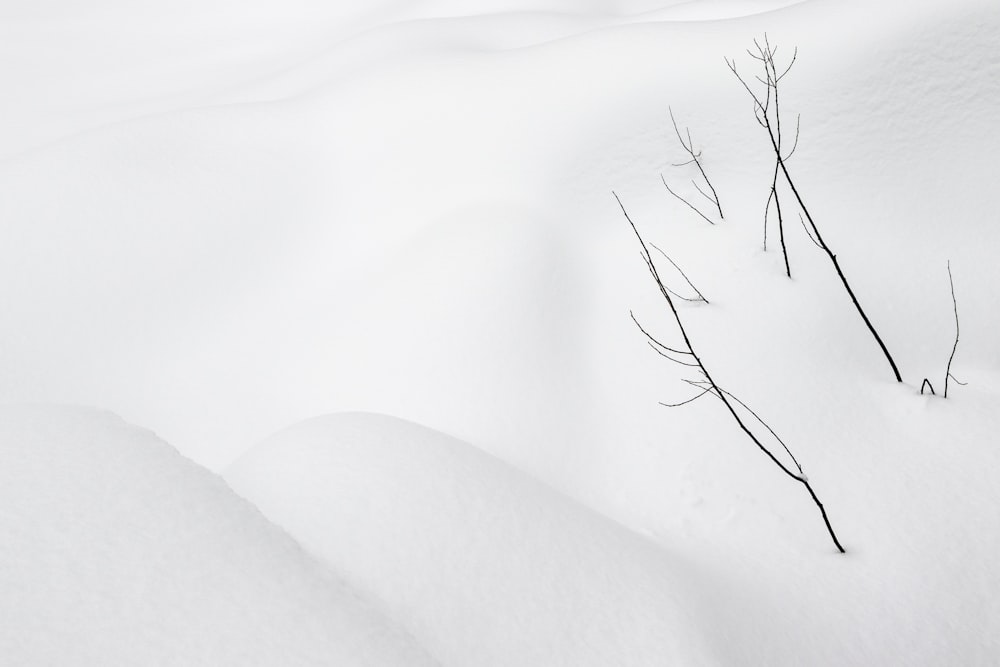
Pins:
x: 328, y: 203
x: 483, y: 564
x: 405, y: 208
x: 118, y: 551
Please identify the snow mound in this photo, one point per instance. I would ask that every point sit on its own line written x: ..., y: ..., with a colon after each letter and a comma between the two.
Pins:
x: 485, y: 565
x: 118, y: 551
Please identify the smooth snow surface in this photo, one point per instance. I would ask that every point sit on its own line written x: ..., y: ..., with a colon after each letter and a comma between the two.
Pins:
x: 220, y: 219
x: 481, y: 563
x: 118, y: 551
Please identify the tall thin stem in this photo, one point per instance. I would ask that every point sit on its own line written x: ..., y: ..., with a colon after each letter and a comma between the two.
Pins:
x: 722, y: 394
x: 763, y: 115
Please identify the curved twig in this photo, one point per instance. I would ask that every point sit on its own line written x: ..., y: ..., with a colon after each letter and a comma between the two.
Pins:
x: 686, y: 202
x: 767, y: 57
x: 720, y: 394
x: 680, y: 271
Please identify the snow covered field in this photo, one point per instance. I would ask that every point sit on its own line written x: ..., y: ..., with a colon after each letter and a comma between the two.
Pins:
x: 361, y: 263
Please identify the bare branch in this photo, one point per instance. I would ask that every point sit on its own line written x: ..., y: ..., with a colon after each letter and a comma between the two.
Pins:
x: 781, y: 230
x: 669, y: 358
x: 795, y: 55
x: 954, y: 347
x: 765, y: 425
x: 690, y: 400
x: 685, y: 201
x: 763, y: 118
x: 809, y: 234
x: 706, y: 196
x: 767, y: 210
x: 680, y: 271
x: 689, y: 147
x: 709, y: 386
x: 672, y: 292
x: 753, y: 95
x: 696, y: 159
x: 795, y: 144
x: 652, y: 339
x: 685, y: 298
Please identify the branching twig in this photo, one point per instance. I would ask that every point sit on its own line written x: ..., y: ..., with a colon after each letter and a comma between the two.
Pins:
x: 765, y: 425
x: 701, y: 297
x: 762, y: 111
x: 710, y: 386
x: 686, y: 202
x: 696, y: 159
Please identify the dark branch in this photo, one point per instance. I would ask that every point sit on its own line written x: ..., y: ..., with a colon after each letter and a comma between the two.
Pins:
x: 761, y: 111
x: 710, y: 385
x: 767, y: 426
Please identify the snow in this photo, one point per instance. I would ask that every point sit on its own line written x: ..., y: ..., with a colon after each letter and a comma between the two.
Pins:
x: 481, y: 563
x: 118, y: 551
x: 222, y: 221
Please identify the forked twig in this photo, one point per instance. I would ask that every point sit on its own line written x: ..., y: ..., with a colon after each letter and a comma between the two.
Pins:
x: 701, y: 297
x: 710, y: 386
x: 696, y: 159
x: 762, y: 111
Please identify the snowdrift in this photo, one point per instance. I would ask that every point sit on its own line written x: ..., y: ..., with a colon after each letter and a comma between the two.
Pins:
x: 483, y: 564
x: 222, y: 220
x: 118, y: 551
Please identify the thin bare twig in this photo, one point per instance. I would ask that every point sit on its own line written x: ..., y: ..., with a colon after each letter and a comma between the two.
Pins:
x: 689, y: 204
x: 781, y: 222
x: 702, y: 192
x: 690, y: 400
x: 696, y: 159
x: 809, y: 234
x: 954, y: 347
x: 766, y: 56
x: 726, y: 398
x: 795, y: 144
x: 680, y: 271
x: 652, y: 339
x: 767, y: 426
x: 669, y: 358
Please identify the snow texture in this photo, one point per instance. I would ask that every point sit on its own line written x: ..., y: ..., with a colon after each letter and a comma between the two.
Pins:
x: 118, y: 551
x: 221, y: 219
x: 483, y: 564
